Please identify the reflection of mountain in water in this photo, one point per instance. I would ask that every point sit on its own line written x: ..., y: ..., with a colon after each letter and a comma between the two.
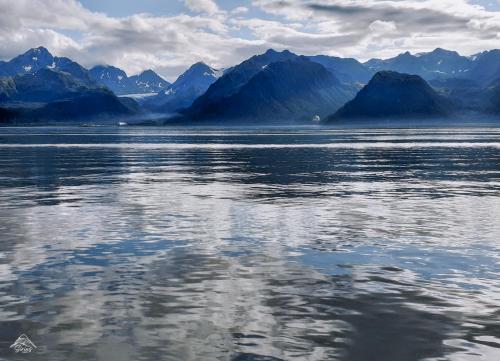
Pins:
x: 128, y: 251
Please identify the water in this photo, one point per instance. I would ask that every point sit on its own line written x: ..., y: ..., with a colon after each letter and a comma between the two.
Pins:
x: 206, y: 244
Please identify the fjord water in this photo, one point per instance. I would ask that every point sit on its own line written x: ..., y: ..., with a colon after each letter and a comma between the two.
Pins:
x: 246, y: 244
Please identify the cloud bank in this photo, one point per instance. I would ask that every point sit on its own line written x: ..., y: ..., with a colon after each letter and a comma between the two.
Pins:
x: 206, y: 31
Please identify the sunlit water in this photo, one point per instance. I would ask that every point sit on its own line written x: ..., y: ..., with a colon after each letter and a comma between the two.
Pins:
x: 311, y: 244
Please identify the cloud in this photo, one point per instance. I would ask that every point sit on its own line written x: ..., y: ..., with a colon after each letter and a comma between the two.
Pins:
x: 168, y: 44
x: 239, y: 10
x: 202, y: 6
x: 387, y: 27
x: 293, y: 37
x: 381, y: 27
x: 222, y: 37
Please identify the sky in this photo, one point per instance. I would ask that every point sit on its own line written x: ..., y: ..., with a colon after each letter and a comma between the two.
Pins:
x: 170, y: 35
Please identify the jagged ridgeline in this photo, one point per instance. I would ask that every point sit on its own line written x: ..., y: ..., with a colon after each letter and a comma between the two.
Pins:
x: 189, y: 86
x: 38, y: 87
x: 272, y: 87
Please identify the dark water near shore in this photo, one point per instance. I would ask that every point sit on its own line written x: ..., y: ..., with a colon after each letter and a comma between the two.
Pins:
x: 164, y: 244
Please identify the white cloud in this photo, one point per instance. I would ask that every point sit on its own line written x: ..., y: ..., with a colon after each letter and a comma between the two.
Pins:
x: 202, y: 6
x: 222, y: 37
x: 239, y: 10
x: 167, y: 44
x: 387, y: 27
x: 381, y: 27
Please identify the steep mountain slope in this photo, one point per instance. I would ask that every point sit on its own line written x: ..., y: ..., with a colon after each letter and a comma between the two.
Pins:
x: 3, y: 68
x: 189, y: 86
x: 491, y: 97
x: 7, y: 89
x: 148, y: 82
x: 73, y: 68
x: 234, y: 78
x: 465, y: 94
x: 90, y: 104
x: 290, y: 90
x: 485, y: 67
x: 112, y: 78
x: 39, y: 58
x: 44, y: 86
x: 53, y: 94
x: 346, y: 70
x: 391, y: 94
x: 28, y: 62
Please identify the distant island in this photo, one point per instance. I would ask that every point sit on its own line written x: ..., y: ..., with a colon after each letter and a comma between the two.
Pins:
x: 271, y: 88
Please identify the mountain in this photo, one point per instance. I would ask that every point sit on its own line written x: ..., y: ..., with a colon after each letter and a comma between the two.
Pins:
x: 91, y: 104
x: 117, y: 80
x: 189, y: 86
x: 464, y: 94
x: 6, y: 115
x: 73, y: 68
x: 43, y: 86
x: 2, y: 68
x: 491, y: 98
x: 112, y: 78
x: 346, y: 70
x: 485, y: 67
x: 7, y: 89
x: 293, y: 89
x: 390, y: 95
x: 149, y: 82
x: 52, y: 94
x: 234, y: 78
x: 437, y: 64
x: 38, y: 58
x: 29, y: 62
x: 279, y: 86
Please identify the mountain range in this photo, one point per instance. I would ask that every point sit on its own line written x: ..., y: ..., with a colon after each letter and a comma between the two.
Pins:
x: 113, y: 78
x: 189, y: 86
x: 347, y: 70
x: 274, y: 86
x: 437, y: 64
x: 266, y: 88
x: 36, y: 86
x: 117, y: 80
x: 50, y: 94
x: 39, y: 58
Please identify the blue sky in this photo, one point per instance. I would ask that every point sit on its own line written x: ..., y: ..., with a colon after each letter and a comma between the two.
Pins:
x: 488, y: 4
x: 157, y: 7
x: 171, y: 7
x: 169, y: 35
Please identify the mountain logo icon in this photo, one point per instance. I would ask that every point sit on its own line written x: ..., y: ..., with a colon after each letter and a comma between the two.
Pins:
x: 23, y: 344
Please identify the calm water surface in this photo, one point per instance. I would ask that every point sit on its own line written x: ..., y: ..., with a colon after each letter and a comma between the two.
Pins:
x: 311, y: 244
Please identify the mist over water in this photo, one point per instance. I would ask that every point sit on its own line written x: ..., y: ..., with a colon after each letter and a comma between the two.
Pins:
x: 250, y: 244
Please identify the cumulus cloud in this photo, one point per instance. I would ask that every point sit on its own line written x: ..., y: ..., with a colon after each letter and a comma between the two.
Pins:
x: 381, y: 27
x: 202, y: 6
x: 415, y: 25
x: 222, y: 36
x: 167, y: 44
x: 239, y: 10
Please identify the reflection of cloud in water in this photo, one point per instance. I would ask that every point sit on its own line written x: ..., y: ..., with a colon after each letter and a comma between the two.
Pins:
x: 122, y: 254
